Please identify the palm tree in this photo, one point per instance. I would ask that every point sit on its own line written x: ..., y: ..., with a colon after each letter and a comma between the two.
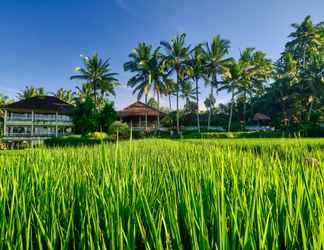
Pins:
x: 97, y: 73
x: 142, y: 63
x: 3, y: 100
x: 257, y: 69
x: 30, y: 91
x: 216, y: 61
x: 64, y: 95
x: 83, y: 92
x: 305, y: 46
x: 188, y: 92
x: 158, y: 80
x: 169, y: 90
x: 176, y: 59
x: 198, y: 71
x: 232, y: 78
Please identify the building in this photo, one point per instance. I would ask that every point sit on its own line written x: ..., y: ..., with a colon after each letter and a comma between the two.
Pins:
x: 134, y: 116
x: 37, y: 118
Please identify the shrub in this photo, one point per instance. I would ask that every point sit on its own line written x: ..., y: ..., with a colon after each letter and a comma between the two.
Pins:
x: 119, y: 128
x: 98, y: 135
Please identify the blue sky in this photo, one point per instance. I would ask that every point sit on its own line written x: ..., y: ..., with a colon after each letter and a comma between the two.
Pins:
x: 41, y: 40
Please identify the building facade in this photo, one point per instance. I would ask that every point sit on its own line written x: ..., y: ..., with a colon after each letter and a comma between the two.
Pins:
x: 37, y: 118
x: 135, y: 116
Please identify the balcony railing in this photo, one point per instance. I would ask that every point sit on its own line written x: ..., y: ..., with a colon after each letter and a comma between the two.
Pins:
x: 20, y: 135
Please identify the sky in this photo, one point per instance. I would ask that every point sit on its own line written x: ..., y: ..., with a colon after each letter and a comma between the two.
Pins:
x: 41, y: 40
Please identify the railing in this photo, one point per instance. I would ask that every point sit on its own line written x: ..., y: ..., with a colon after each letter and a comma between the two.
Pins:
x: 19, y: 135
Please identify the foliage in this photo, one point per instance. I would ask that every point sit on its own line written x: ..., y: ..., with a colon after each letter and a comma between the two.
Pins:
x: 31, y: 91
x: 152, y: 103
x: 119, y: 129
x: 98, y: 74
x: 64, y: 95
x: 85, y: 117
x: 155, y: 194
x: 107, y: 116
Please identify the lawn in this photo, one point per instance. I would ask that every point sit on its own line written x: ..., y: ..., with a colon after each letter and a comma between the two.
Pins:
x: 171, y: 194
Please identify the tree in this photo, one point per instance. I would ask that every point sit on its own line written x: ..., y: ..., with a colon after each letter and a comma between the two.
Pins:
x: 198, y: 67
x: 30, y: 91
x: 107, y: 116
x: 306, y: 46
x: 98, y: 74
x: 3, y: 100
x: 142, y: 63
x: 152, y: 103
x: 85, y: 116
x: 215, y: 57
x: 176, y: 60
x: 64, y: 95
x: 256, y: 69
x: 188, y: 92
x: 83, y: 92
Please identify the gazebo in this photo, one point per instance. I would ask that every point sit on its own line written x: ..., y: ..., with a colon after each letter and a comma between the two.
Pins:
x: 134, y: 115
x: 259, y: 117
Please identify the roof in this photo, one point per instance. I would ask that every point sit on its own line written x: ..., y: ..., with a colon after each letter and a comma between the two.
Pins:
x: 261, y: 117
x: 41, y: 103
x: 139, y: 109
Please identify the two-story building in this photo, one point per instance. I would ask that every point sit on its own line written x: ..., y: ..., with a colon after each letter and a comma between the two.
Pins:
x: 37, y: 118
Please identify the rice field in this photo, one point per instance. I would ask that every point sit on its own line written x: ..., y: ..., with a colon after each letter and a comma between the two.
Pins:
x: 164, y: 194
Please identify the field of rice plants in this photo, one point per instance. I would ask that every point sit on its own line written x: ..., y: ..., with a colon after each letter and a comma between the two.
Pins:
x: 164, y: 194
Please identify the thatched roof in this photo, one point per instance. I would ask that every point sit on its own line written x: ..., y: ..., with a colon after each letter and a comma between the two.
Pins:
x: 41, y: 103
x: 139, y: 109
x: 261, y: 117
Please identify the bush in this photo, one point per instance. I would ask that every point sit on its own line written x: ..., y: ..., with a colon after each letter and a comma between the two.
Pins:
x: 71, y: 141
x: 119, y: 128
x: 98, y: 135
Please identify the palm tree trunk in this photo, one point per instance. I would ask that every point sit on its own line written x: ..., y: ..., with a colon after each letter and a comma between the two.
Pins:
x: 158, y: 118
x: 310, y: 110
x: 178, y: 123
x: 197, y: 98
x: 170, y: 106
x: 231, y: 112
x: 146, y: 112
x: 244, y: 111
x: 211, y: 106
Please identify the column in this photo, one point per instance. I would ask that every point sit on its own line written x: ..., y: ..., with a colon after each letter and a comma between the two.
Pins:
x: 56, y: 127
x: 5, y: 123
x: 32, y: 126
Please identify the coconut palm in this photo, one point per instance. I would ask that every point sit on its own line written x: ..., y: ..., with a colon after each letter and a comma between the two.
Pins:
x: 257, y: 69
x: 83, y: 92
x: 98, y: 74
x: 176, y: 59
x: 64, y: 95
x: 142, y: 63
x: 215, y: 57
x: 3, y: 100
x: 31, y: 91
x: 198, y: 67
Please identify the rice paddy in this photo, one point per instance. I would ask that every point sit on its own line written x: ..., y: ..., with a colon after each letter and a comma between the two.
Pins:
x: 164, y: 194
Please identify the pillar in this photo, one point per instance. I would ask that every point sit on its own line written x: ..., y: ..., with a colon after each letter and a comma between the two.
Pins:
x: 32, y: 126
x: 56, y: 126
x: 5, y: 123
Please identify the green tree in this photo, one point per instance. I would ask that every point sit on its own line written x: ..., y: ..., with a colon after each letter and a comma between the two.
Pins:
x: 83, y: 92
x: 107, y: 116
x: 152, y: 103
x: 198, y: 67
x: 31, y: 91
x: 98, y: 74
x: 64, y: 95
x: 215, y: 57
x: 85, y: 117
x: 176, y: 60
x: 142, y: 64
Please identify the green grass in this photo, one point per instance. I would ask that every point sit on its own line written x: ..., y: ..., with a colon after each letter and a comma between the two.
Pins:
x: 155, y: 194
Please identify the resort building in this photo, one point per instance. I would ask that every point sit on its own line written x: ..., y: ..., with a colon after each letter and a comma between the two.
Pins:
x: 37, y: 118
x: 134, y: 116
